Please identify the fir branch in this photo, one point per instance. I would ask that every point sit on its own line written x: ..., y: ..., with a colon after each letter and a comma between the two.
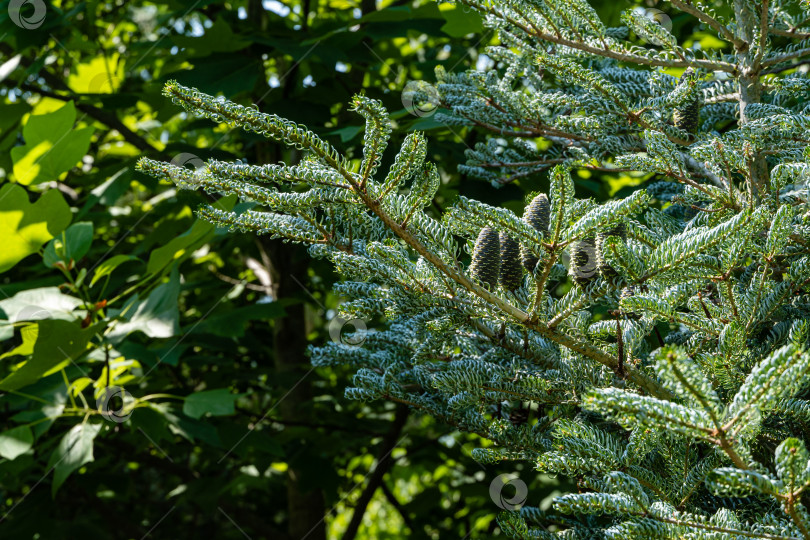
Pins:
x: 721, y: 29
x: 603, y: 51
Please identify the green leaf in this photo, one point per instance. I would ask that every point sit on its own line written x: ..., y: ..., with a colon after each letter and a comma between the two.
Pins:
x: 222, y: 73
x: 16, y: 442
x: 50, y: 343
x: 347, y: 133
x: 184, y: 245
x: 107, y: 267
x: 35, y: 305
x: 74, y: 450
x: 461, y: 22
x: 24, y: 227
x: 157, y: 316
x: 72, y: 244
x: 51, y: 147
x: 233, y: 323
x: 219, y: 402
x: 218, y: 38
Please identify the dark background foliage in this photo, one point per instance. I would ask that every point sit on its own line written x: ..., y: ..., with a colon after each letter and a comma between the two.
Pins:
x: 233, y: 434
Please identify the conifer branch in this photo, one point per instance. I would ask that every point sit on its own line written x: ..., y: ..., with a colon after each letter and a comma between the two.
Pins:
x: 603, y: 51
x: 791, y: 33
x: 704, y: 274
x: 721, y: 29
x: 786, y: 57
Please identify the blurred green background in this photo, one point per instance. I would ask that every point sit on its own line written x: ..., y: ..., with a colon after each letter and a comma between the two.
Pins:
x: 107, y: 279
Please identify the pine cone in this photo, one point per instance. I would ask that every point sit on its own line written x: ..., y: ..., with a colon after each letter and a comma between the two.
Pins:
x: 519, y: 416
x: 686, y: 116
x: 537, y: 215
x: 583, y: 261
x: 628, y: 292
x: 511, y: 274
x: 486, y: 259
x: 605, y: 269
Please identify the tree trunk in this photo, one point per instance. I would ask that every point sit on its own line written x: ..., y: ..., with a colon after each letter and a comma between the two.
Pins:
x: 305, y: 508
x: 748, y: 21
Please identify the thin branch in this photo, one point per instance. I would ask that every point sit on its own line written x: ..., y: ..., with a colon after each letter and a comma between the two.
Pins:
x: 780, y: 69
x: 376, y: 476
x: 790, y: 508
x: 108, y: 119
x: 786, y: 57
x: 722, y: 98
x: 763, y: 34
x: 605, y: 51
x: 703, y: 171
x: 643, y: 381
x: 739, y: 44
x: 707, y: 527
x: 400, y: 508
x: 792, y: 33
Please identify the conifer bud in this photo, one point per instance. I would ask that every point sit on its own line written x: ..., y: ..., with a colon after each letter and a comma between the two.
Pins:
x: 583, y: 261
x: 511, y: 274
x: 537, y: 215
x: 686, y: 115
x: 605, y: 269
x: 486, y: 259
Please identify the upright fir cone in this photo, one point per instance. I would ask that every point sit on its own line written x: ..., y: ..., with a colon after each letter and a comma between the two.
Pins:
x: 583, y: 261
x: 628, y: 292
x: 511, y: 274
x: 605, y: 269
x: 519, y: 415
x: 537, y: 215
x: 686, y: 116
x: 486, y: 259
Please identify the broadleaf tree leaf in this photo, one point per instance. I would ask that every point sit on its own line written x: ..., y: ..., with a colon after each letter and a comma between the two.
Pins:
x: 54, y: 342
x: 74, y: 450
x: 218, y: 38
x: 108, y: 266
x: 35, y: 305
x: 233, y: 323
x: 461, y: 22
x: 219, y: 402
x: 184, y: 245
x: 103, y: 74
x: 52, y: 146
x: 157, y: 316
x: 16, y: 441
x: 24, y: 227
x: 72, y: 244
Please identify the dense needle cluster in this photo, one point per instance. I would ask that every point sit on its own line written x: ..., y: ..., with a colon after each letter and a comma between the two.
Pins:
x: 660, y: 340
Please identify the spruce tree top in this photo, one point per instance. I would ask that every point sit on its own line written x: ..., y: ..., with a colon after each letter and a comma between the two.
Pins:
x: 666, y: 369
